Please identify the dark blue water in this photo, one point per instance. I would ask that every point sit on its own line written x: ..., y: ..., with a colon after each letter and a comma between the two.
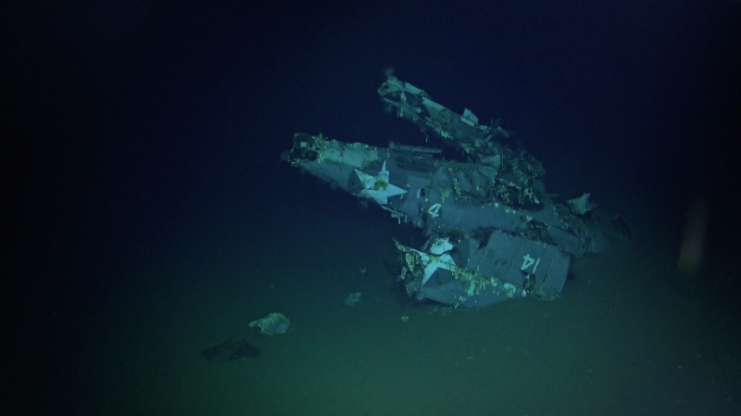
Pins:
x: 148, y: 214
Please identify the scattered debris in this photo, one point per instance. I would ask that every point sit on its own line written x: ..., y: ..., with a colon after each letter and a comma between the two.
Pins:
x: 273, y: 324
x: 352, y: 299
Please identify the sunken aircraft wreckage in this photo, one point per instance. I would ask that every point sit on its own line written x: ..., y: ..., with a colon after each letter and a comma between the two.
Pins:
x: 494, y: 234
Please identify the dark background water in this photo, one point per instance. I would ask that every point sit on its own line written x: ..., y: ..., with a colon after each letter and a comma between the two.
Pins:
x: 142, y: 163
